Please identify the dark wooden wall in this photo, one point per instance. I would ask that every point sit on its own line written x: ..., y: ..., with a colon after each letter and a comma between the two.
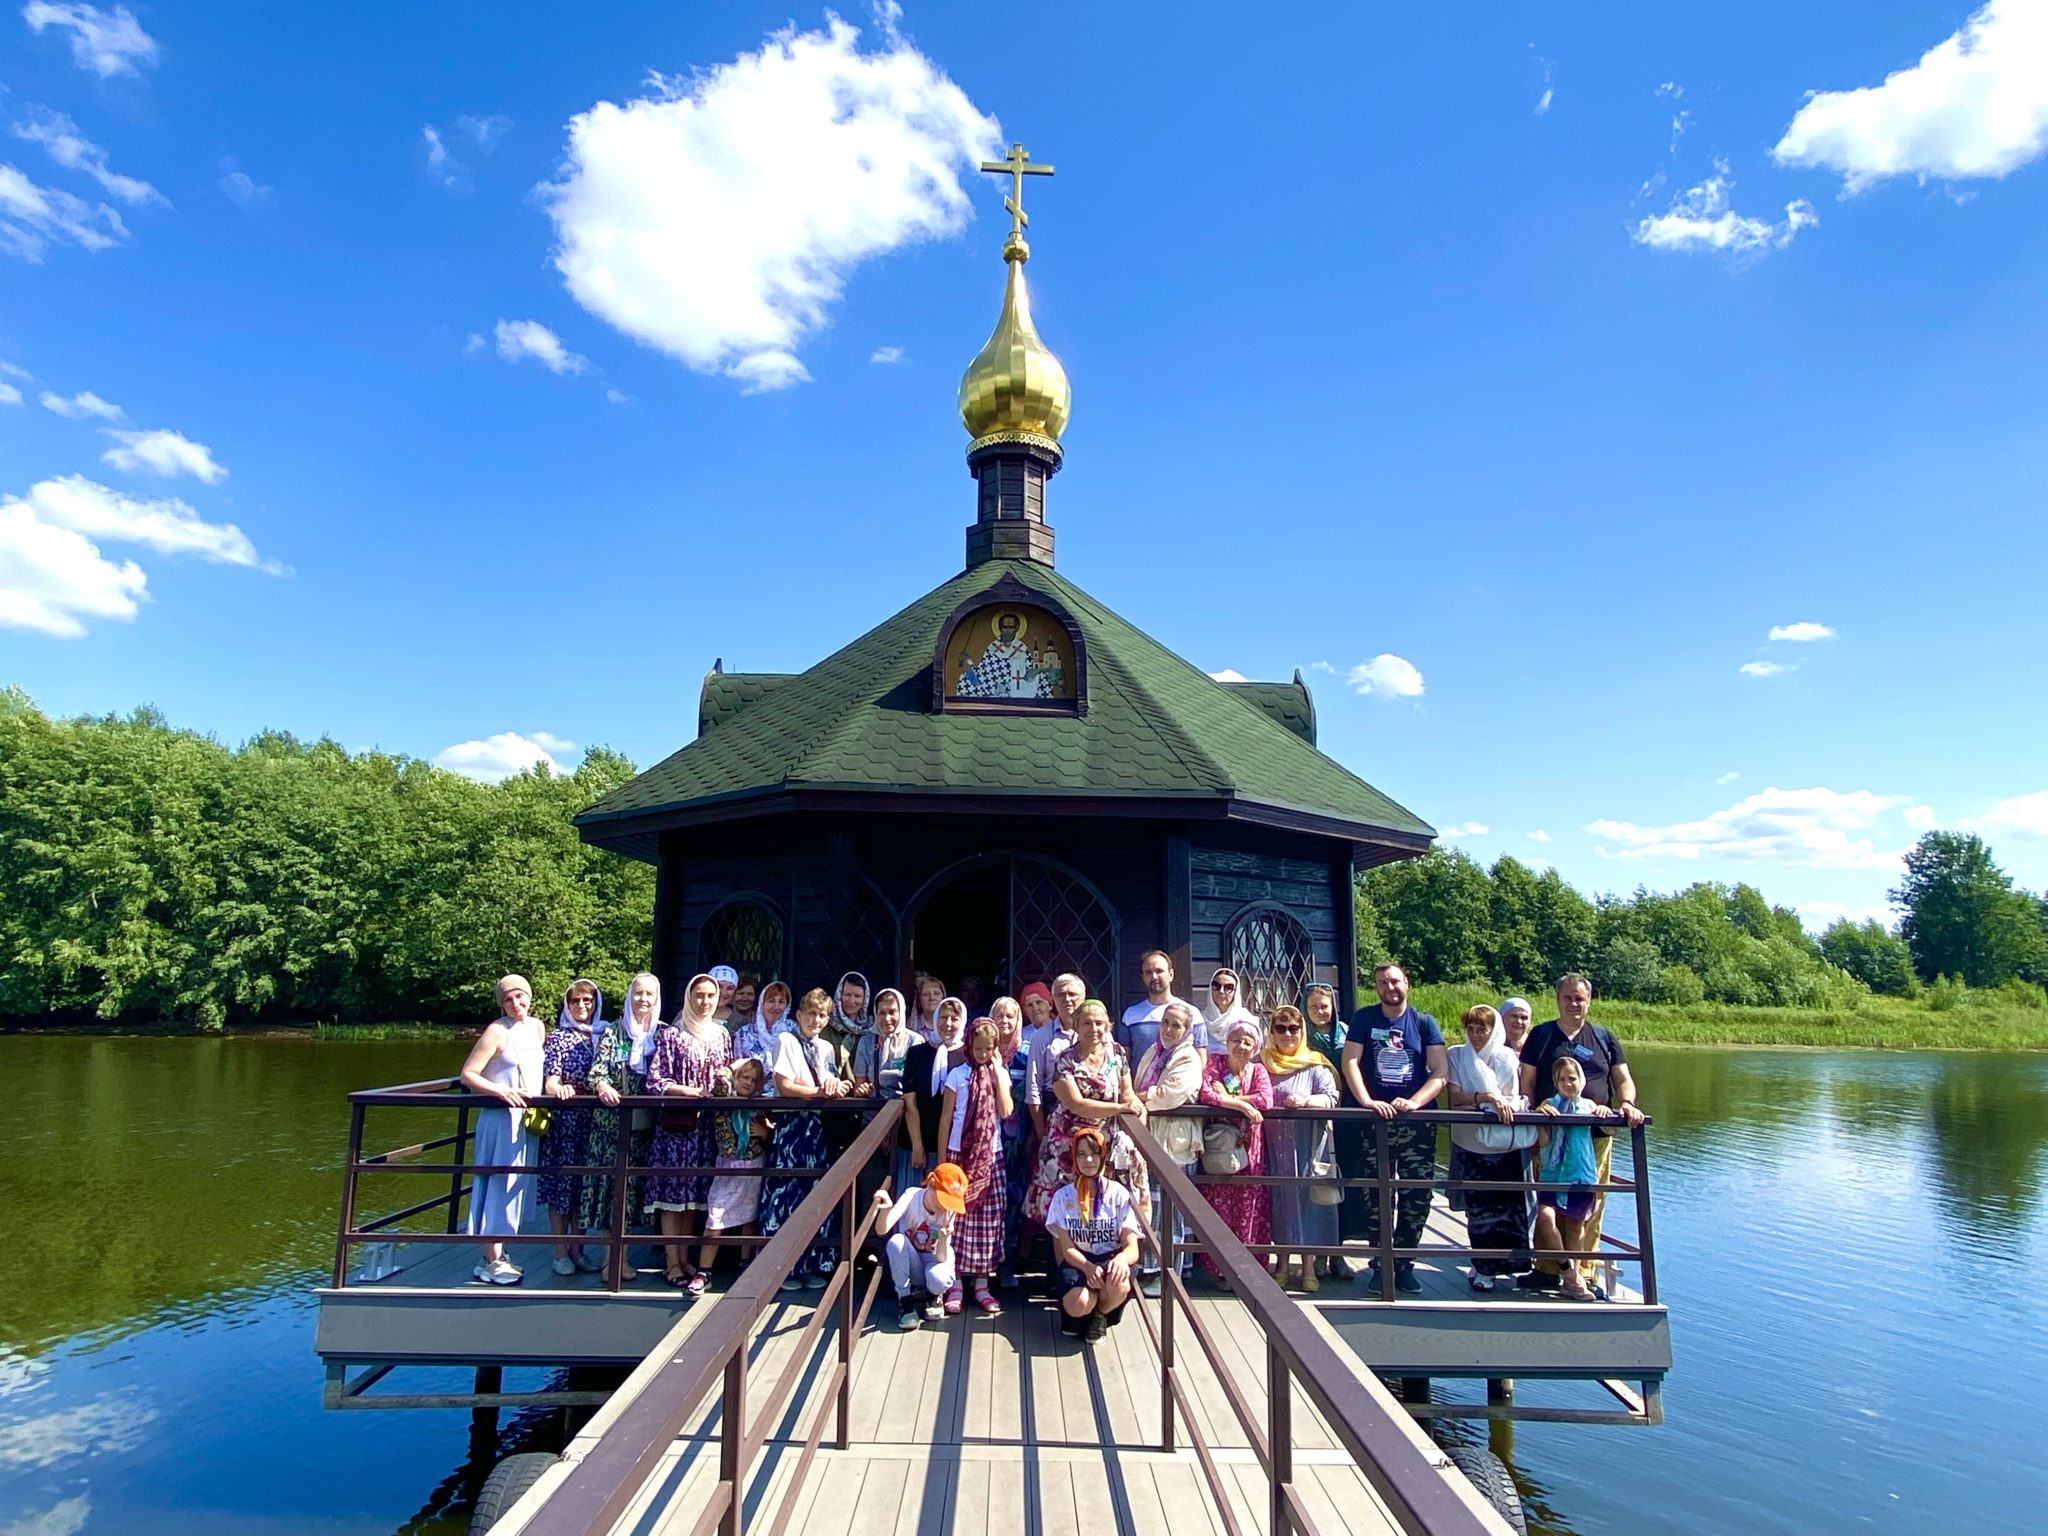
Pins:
x: 1171, y: 885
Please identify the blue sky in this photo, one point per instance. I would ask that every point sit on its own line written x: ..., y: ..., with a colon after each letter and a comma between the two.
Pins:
x: 1542, y: 362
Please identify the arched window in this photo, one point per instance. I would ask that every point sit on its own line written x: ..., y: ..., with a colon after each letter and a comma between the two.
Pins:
x: 1273, y: 955
x: 745, y: 933
x: 1059, y: 923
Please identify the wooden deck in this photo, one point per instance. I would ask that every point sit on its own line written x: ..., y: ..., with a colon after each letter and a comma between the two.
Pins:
x: 979, y: 1425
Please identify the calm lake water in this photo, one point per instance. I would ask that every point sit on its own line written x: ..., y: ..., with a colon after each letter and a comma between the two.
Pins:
x: 1850, y: 1243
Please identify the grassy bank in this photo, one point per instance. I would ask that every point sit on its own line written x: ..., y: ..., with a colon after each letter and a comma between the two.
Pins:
x: 396, y: 1031
x: 1976, y: 1021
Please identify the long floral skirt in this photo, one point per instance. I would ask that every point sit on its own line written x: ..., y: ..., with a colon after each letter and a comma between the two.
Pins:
x: 692, y: 1148
x: 602, y: 1151
x: 566, y: 1144
x: 799, y: 1142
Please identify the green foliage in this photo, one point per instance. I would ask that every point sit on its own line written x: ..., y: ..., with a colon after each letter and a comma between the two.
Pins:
x: 1874, y: 955
x: 155, y: 875
x: 1963, y: 918
x: 1629, y: 968
x: 1680, y: 986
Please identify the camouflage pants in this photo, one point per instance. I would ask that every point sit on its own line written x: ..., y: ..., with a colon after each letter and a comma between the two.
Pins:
x: 1412, y: 1147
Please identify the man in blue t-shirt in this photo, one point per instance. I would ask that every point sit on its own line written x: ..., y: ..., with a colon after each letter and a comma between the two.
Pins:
x: 1394, y: 1064
x: 1609, y: 1085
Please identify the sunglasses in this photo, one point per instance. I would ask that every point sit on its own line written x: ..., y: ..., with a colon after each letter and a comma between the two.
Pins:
x: 1286, y: 1029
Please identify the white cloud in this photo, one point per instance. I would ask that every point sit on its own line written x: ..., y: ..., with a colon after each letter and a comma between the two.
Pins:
x: 32, y: 216
x: 1728, y: 778
x: 500, y: 756
x: 1976, y: 104
x: 1463, y: 829
x: 84, y: 403
x: 238, y: 186
x: 1538, y: 836
x: 886, y: 355
x: 482, y: 134
x: 1322, y: 666
x: 108, y: 43
x: 64, y: 144
x: 617, y: 396
x: 1543, y: 101
x: 518, y: 339
x: 717, y: 217
x: 1919, y: 818
x: 1767, y: 668
x: 1801, y: 632
x: 105, y: 1426
x: 160, y: 452
x: 15, y: 371
x: 1816, y: 828
x: 2022, y: 817
x: 445, y: 168
x: 1700, y: 219
x: 52, y: 580
x: 1386, y: 677
x: 1230, y: 675
x: 9, y: 395
x: 169, y: 526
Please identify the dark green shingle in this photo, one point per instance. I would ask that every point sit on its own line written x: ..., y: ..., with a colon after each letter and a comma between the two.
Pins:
x: 862, y: 719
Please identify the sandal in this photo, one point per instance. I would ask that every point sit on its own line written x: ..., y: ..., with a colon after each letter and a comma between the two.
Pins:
x: 1480, y: 1282
x: 983, y: 1299
x: 676, y: 1278
x: 696, y: 1283
x: 953, y: 1301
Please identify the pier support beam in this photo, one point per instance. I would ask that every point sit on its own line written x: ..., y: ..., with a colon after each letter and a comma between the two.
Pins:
x: 1500, y: 1389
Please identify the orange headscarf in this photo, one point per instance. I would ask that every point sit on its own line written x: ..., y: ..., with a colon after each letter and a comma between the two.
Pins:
x: 1085, y: 1187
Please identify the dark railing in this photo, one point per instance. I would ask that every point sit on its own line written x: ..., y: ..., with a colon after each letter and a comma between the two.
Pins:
x: 600, y: 1488
x: 1384, y: 1187
x: 1407, y: 1479
x: 447, y: 1094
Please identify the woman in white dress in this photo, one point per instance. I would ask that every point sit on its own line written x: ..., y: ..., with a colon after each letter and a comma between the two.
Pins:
x: 505, y: 1063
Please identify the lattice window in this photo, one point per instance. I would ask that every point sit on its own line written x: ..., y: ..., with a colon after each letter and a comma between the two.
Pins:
x: 746, y: 935
x: 1274, y: 958
x: 860, y: 929
x: 1057, y: 924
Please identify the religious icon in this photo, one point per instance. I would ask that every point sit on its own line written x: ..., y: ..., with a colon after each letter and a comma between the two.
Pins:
x: 1010, y: 653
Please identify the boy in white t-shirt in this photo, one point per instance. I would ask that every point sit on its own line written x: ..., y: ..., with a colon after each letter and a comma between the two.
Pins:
x: 920, y: 1241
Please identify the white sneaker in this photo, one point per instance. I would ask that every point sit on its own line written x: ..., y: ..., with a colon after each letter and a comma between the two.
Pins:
x: 504, y: 1272
x: 564, y: 1267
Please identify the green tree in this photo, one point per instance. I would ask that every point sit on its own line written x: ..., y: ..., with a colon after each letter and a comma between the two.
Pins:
x: 1872, y: 953
x: 1962, y: 916
x: 1630, y: 969
x: 1434, y: 914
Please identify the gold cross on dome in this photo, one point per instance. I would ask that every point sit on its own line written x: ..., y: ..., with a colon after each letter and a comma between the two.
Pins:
x: 1016, y: 165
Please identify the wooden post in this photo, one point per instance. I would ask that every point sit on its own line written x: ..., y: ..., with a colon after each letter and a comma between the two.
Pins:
x: 1279, y: 1440
x: 1500, y: 1390
x: 1167, y: 1259
x: 455, y: 1178
x: 1639, y: 1160
x: 1384, y: 1193
x: 847, y: 1227
x: 615, y: 1256
x: 732, y: 1436
x: 348, y: 1195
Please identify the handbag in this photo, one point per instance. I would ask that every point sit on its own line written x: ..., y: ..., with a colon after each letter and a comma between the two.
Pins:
x: 1497, y: 1138
x: 1322, y: 1166
x: 537, y: 1120
x: 1223, y: 1149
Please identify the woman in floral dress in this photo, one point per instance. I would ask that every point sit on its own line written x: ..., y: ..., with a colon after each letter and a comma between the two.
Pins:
x: 1092, y: 1083
x: 618, y: 1066
x: 1237, y: 1080
x: 688, y: 1057
x: 565, y: 1067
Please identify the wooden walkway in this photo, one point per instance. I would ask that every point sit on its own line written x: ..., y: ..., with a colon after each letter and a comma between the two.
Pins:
x: 998, y: 1425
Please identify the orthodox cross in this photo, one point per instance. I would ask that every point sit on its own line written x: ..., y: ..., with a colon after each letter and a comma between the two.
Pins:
x: 1016, y: 165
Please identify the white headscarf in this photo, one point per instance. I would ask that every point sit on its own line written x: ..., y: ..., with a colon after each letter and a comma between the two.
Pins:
x: 642, y: 1038
x: 1493, y: 1068
x: 945, y: 1057
x: 1217, y: 1021
x: 684, y: 1017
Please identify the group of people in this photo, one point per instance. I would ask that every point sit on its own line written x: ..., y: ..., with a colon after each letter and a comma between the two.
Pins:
x: 1017, y: 1127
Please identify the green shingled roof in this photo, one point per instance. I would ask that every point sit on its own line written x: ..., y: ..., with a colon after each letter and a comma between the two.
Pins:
x: 862, y: 719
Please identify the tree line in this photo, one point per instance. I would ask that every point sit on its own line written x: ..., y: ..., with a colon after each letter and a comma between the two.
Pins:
x: 155, y: 875
x: 152, y: 874
x: 1963, y: 923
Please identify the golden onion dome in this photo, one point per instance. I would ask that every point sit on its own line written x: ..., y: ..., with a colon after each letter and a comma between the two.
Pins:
x: 1015, y: 384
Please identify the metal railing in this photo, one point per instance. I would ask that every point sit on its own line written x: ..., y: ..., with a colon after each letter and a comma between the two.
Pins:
x: 1408, y: 1480
x: 448, y: 1094
x: 603, y: 1485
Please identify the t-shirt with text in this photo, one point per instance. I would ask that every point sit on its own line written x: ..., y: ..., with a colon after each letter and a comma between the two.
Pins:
x: 1102, y: 1232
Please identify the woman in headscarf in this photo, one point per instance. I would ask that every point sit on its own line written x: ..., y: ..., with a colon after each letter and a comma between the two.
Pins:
x: 1486, y: 1075
x: 806, y: 1067
x: 850, y: 1019
x: 878, y: 1058
x: 1326, y: 1035
x: 505, y: 1063
x: 618, y: 1066
x: 1092, y: 1085
x: 1237, y: 1081
x: 689, y: 1056
x: 1225, y: 1008
x: 1303, y: 1078
x: 925, y: 1066
x: 753, y: 1033
x: 1013, y: 1055
x: 565, y: 1067
x: 1169, y: 1077
x: 976, y: 1102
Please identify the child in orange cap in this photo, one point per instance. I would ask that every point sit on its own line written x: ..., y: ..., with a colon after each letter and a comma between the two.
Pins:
x: 920, y: 1241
